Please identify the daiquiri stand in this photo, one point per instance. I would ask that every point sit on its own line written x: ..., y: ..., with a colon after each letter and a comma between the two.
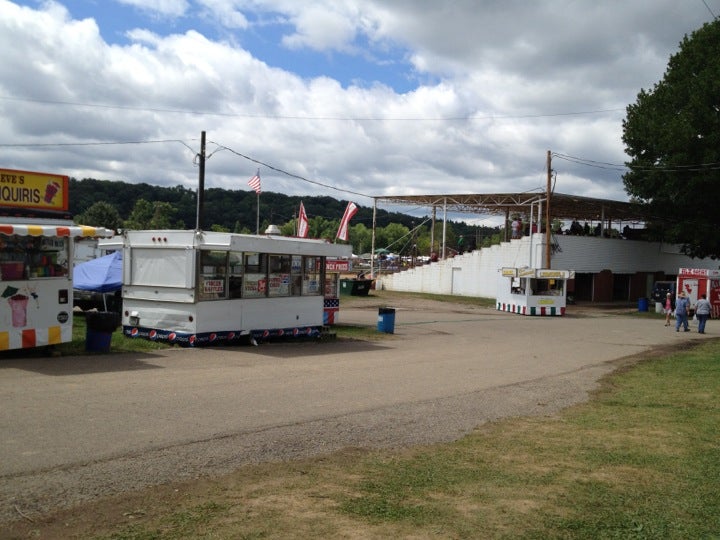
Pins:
x: 37, y: 240
x: 533, y: 291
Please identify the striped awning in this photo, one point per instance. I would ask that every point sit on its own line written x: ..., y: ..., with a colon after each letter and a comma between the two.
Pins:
x: 71, y: 231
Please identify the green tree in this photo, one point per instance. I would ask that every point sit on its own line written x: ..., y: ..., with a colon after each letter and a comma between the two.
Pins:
x: 101, y: 214
x: 672, y: 135
x: 147, y: 215
x: 360, y: 238
x: 396, y: 236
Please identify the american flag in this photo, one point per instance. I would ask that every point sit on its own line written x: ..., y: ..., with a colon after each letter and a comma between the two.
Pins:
x: 254, y: 182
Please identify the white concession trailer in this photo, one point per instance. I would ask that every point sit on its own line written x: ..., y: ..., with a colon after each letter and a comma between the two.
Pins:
x: 195, y: 288
x: 533, y: 291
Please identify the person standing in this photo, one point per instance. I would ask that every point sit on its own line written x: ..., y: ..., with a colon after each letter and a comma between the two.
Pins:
x: 702, y: 312
x: 682, y: 308
x: 516, y: 225
x: 668, y: 308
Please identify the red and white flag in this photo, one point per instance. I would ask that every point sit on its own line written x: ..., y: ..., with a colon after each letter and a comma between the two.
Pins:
x: 254, y: 182
x: 303, y: 226
x: 350, y: 211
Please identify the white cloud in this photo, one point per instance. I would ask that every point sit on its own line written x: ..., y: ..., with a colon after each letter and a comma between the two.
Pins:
x: 321, y: 29
x: 226, y: 13
x: 509, y: 73
x: 164, y: 8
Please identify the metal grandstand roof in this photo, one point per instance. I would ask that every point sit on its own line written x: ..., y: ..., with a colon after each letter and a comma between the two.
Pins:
x: 561, y: 206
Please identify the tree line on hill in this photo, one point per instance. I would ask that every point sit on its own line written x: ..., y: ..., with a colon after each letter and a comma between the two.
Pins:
x: 121, y: 205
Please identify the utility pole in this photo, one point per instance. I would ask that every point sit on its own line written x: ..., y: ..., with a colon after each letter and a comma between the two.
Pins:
x: 201, y: 184
x: 548, y: 228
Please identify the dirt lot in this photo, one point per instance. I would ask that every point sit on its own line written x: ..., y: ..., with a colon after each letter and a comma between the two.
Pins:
x: 86, y: 435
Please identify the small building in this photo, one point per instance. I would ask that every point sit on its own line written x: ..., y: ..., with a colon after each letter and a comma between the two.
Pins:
x: 611, y: 258
x: 530, y: 291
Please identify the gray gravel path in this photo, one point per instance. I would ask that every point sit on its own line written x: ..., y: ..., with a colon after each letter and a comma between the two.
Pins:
x: 75, y: 429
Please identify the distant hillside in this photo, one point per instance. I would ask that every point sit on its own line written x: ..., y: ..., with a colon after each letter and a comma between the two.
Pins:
x: 228, y: 208
x: 222, y: 207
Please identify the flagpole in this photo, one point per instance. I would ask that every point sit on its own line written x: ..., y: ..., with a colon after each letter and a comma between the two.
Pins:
x: 257, y: 217
x: 372, y: 241
x: 254, y: 183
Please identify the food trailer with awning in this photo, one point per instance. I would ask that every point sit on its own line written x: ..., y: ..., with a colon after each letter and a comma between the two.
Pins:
x: 36, y: 251
x: 533, y: 291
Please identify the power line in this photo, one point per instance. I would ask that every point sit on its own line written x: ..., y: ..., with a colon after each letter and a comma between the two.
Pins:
x: 93, y: 143
x: 699, y: 167
x: 286, y: 173
x: 194, y: 151
x: 466, y: 118
x: 710, y: 10
x: 589, y: 163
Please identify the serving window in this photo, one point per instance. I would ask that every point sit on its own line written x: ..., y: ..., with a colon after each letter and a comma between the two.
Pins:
x: 213, y: 275
x: 279, y: 276
x: 255, y: 279
x: 547, y: 287
x: 537, y: 287
x: 235, y: 274
x: 314, y: 270
x: 27, y: 257
x: 236, y: 270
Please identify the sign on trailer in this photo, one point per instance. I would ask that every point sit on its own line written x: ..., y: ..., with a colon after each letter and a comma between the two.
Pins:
x: 24, y: 189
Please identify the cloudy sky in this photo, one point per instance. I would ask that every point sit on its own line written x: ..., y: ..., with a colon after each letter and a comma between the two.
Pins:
x: 358, y: 98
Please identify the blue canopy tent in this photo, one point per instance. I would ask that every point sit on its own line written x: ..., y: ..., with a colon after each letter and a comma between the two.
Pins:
x: 102, y: 275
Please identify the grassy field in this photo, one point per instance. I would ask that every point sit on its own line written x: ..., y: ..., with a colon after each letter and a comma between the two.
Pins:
x: 640, y: 460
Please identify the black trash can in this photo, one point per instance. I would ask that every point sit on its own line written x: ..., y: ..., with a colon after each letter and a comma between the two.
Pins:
x: 386, y: 320
x: 100, y: 326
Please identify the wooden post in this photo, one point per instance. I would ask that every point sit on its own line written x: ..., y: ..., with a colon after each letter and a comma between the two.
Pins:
x: 548, y: 219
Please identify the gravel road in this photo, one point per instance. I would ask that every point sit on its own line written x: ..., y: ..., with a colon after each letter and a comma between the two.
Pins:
x: 79, y: 428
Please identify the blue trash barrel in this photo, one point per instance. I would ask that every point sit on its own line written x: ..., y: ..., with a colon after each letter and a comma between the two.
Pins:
x: 642, y: 304
x: 100, y: 327
x: 386, y: 320
x: 97, y: 341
